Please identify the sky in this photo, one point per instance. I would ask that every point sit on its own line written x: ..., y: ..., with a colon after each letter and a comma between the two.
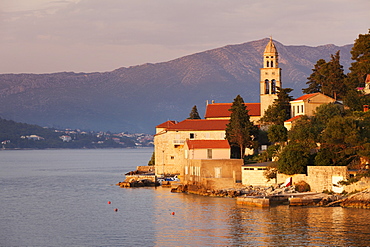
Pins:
x: 47, y: 36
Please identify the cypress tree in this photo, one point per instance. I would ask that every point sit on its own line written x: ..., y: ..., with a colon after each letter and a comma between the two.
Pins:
x: 240, y: 131
x: 194, y: 113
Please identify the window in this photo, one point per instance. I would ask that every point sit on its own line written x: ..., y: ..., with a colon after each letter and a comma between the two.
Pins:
x: 192, y: 135
x: 267, y: 64
x: 209, y: 153
x: 297, y: 108
x: 248, y: 169
x: 172, y: 157
x: 272, y: 64
x: 301, y: 108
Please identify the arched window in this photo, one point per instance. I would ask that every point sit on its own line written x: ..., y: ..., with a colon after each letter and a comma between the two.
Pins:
x: 272, y: 64
x: 267, y: 64
x: 267, y: 87
x: 273, y: 86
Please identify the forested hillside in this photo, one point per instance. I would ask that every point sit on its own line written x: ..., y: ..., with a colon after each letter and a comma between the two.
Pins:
x: 15, y: 135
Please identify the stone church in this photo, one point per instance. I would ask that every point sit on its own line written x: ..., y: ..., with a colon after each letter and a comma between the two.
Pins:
x: 197, y: 149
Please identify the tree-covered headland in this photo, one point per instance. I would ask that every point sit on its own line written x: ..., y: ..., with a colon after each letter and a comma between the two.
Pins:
x: 14, y: 135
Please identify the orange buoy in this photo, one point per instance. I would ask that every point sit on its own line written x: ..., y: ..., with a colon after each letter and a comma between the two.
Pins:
x: 109, y: 202
x: 116, y: 209
x: 173, y: 213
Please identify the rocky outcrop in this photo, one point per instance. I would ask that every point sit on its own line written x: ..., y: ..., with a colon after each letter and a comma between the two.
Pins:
x: 358, y: 200
x: 137, y: 183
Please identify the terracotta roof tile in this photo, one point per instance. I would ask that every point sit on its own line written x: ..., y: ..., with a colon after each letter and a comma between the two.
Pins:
x: 199, y: 124
x: 166, y: 124
x: 218, y: 110
x: 293, y: 119
x: 306, y: 96
x: 198, y: 144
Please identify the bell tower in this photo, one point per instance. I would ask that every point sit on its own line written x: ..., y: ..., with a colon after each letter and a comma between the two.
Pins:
x: 269, y: 76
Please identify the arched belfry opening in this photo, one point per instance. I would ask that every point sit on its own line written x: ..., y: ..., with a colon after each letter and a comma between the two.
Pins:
x: 273, y: 86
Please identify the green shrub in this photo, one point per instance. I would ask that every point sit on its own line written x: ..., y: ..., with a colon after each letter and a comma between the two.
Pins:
x: 302, y: 186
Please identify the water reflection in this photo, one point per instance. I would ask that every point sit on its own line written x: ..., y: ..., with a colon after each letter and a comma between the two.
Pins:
x: 205, y: 221
x: 64, y: 203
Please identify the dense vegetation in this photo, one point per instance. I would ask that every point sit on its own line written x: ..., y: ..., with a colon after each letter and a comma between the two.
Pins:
x: 337, y: 134
x: 15, y: 135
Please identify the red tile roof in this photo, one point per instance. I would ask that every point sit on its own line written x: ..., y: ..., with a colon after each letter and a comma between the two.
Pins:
x: 199, y: 124
x: 306, y: 96
x: 166, y: 124
x: 218, y: 110
x: 198, y: 144
x: 293, y: 118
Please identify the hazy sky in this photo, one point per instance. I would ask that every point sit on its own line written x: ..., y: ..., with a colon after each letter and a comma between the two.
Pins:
x: 44, y: 36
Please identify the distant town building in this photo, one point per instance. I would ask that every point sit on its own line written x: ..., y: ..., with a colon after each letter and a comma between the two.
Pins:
x: 65, y: 138
x: 33, y: 137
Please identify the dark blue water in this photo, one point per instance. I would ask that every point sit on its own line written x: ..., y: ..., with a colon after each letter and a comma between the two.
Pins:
x: 59, y: 198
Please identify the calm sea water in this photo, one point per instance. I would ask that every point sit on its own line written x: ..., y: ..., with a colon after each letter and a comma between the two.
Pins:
x: 59, y: 198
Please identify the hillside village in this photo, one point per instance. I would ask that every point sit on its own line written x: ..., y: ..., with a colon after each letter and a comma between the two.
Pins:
x: 198, y: 151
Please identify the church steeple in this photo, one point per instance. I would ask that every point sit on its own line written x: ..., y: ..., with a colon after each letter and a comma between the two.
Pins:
x: 270, y: 76
x: 270, y: 55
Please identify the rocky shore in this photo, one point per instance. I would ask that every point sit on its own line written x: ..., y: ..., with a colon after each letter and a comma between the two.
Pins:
x: 291, y: 195
x: 358, y: 200
x: 285, y: 194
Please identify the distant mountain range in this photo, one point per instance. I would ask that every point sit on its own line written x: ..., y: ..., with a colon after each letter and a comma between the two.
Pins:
x: 138, y: 98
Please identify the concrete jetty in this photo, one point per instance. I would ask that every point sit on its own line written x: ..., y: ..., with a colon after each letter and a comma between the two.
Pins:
x: 262, y: 202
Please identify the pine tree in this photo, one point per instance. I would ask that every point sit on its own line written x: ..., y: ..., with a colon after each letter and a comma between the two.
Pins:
x: 327, y: 78
x: 361, y: 55
x: 194, y: 113
x: 359, y: 69
x: 335, y: 86
x: 240, y: 131
x: 316, y: 79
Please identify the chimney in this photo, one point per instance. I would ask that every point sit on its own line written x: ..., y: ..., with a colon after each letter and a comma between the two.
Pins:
x: 366, y: 108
